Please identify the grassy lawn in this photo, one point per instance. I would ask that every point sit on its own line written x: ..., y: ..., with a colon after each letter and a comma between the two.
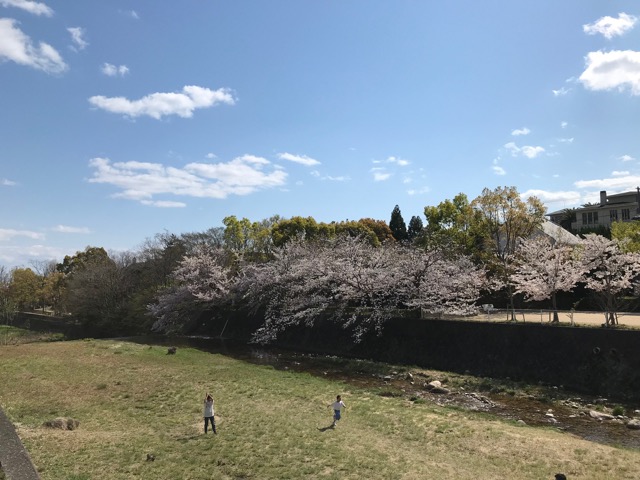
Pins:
x: 12, y: 336
x: 133, y: 400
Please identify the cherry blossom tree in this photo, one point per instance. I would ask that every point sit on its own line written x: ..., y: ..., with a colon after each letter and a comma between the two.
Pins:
x: 202, y: 279
x: 545, y: 267
x: 347, y: 280
x: 611, y: 273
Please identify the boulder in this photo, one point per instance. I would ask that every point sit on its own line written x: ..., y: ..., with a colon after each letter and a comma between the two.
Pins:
x: 600, y: 415
x: 62, y: 423
x: 633, y: 424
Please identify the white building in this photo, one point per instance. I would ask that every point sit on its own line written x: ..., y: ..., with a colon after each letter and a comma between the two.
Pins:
x: 612, y: 208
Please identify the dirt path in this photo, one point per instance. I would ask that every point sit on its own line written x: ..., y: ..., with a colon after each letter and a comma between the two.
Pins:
x: 631, y: 320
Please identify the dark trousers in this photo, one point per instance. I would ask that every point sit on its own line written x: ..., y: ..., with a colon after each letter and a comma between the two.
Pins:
x: 206, y: 424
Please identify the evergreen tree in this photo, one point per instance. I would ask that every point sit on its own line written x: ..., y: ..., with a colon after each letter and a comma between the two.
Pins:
x: 415, y: 227
x: 397, y: 225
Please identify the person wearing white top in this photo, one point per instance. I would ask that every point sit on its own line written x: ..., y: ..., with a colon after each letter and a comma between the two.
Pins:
x: 209, y: 414
x: 337, y: 407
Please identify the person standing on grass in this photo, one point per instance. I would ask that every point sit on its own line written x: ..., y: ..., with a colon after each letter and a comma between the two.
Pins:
x: 208, y: 413
x: 337, y: 407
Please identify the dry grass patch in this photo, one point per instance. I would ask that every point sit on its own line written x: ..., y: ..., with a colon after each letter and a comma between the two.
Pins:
x: 133, y: 400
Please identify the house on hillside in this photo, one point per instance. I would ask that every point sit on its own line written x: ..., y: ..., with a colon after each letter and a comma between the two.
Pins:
x: 619, y: 207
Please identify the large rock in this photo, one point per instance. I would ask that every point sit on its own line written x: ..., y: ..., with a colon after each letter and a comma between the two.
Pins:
x: 62, y: 423
x: 633, y: 424
x: 436, y: 387
x: 600, y: 415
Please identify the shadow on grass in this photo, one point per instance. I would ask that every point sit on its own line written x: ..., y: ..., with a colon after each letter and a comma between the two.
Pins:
x: 324, y: 429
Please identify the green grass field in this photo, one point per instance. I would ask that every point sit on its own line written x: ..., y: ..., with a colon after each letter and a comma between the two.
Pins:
x: 133, y: 400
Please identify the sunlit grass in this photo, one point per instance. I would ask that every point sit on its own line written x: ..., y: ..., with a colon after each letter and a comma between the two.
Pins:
x: 133, y: 400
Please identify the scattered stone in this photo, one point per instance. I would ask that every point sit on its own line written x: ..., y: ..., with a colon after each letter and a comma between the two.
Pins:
x: 436, y: 387
x: 409, y: 377
x: 172, y: 350
x: 599, y: 415
x: 150, y: 457
x: 633, y: 424
x: 62, y: 423
x: 521, y: 422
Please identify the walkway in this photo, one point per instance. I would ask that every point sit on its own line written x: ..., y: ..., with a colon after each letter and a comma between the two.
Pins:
x: 15, y: 461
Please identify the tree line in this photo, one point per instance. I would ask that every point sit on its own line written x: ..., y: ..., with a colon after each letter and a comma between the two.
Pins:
x: 356, y: 273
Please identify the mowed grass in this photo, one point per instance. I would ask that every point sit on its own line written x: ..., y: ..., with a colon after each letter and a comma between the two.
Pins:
x: 133, y: 400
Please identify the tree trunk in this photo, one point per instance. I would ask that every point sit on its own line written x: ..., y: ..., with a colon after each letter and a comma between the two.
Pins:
x: 555, y: 308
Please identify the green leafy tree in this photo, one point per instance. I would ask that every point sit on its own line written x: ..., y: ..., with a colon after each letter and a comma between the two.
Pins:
x: 505, y: 219
x: 454, y: 225
x: 24, y: 288
x: 397, y: 225
x: 627, y: 234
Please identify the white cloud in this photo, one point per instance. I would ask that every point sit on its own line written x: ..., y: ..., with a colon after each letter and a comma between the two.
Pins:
x: 211, y: 155
x: 398, y: 161
x: 380, y: 175
x: 37, y: 8
x: 617, y: 173
x: 614, y: 69
x: 419, y: 191
x: 9, y: 233
x: 521, y: 131
x: 565, y: 140
x: 163, y: 204
x: 563, y: 124
x: 553, y: 197
x: 24, y: 255
x: 628, y: 182
x: 7, y: 183
x: 157, y: 105
x: 301, y: 159
x: 561, y: 91
x: 18, y: 47
x: 610, y: 27
x: 527, y: 150
x: 142, y: 181
x: 626, y: 158
x: 77, y: 36
x: 114, y: 70
x: 68, y: 229
x: 498, y: 170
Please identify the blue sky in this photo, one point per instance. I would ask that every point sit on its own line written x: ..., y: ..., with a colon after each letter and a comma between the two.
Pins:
x: 123, y: 119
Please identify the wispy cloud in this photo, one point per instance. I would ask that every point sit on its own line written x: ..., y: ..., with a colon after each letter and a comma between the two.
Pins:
x: 564, y: 124
x: 77, y: 36
x: 158, y: 105
x: 561, y: 91
x: 617, y: 173
x: 520, y: 131
x: 163, y: 203
x: 9, y: 233
x: 497, y: 169
x: 114, y: 70
x: 17, y: 47
x: 7, y: 183
x: 142, y: 181
x: 610, y: 27
x: 68, y: 229
x: 130, y: 13
x: 418, y: 191
x: 37, y: 8
x: 616, y: 69
x: 380, y: 174
x: 526, y: 150
x: 301, y: 159
x: 547, y: 197
x: 626, y: 158
x: 566, y: 140
x: 394, y: 160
